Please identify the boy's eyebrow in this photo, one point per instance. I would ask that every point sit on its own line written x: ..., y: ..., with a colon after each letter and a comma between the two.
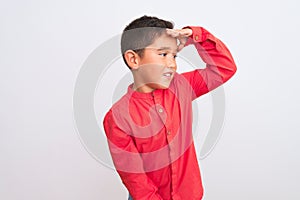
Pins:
x: 165, y: 48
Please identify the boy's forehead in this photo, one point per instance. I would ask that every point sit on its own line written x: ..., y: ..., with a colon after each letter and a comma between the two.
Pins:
x: 164, y: 42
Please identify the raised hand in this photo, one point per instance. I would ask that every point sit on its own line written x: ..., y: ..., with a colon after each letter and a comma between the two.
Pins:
x: 180, y: 34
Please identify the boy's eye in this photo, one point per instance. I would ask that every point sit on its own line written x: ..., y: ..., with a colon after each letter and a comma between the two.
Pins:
x: 163, y: 54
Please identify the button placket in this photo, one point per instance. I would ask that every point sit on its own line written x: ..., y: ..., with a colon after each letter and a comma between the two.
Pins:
x: 168, y: 132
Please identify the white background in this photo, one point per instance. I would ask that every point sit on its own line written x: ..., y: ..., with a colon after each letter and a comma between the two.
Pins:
x: 43, y: 45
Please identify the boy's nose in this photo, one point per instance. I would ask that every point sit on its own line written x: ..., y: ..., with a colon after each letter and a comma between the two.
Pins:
x: 171, y: 63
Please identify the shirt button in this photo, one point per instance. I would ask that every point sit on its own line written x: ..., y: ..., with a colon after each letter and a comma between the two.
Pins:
x: 168, y: 132
x: 160, y: 110
x: 196, y: 37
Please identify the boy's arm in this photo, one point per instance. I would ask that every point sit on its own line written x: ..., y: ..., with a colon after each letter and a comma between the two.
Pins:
x: 128, y: 163
x: 220, y: 65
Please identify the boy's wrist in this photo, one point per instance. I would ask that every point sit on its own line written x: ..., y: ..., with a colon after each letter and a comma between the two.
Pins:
x: 196, y: 33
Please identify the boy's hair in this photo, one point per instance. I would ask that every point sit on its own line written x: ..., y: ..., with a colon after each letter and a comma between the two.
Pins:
x: 142, y: 32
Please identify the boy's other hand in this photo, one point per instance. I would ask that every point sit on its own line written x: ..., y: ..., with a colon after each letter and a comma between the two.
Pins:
x: 180, y: 34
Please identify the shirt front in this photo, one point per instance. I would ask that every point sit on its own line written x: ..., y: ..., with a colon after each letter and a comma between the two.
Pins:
x: 150, y: 134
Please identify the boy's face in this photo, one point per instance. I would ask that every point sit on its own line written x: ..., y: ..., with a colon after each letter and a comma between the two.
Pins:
x: 157, y: 66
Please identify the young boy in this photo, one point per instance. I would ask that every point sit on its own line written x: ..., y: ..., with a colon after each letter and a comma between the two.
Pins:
x: 149, y: 130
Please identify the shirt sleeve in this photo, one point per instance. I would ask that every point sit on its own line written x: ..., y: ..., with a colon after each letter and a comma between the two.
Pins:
x: 220, y: 66
x: 122, y: 148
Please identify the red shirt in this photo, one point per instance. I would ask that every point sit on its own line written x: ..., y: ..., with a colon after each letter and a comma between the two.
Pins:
x: 150, y: 134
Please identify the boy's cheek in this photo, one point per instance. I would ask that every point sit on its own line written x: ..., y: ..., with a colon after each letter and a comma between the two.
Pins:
x: 151, y: 69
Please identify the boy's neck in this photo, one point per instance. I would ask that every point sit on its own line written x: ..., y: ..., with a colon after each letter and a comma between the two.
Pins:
x: 142, y: 89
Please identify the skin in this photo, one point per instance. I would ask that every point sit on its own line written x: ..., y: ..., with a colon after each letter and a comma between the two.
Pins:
x: 156, y: 68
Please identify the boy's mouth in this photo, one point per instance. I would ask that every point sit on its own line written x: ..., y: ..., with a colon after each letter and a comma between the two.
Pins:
x: 168, y: 74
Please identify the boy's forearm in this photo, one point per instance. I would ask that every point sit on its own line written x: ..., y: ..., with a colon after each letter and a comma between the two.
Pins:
x: 137, y: 183
x: 220, y: 64
x: 140, y: 186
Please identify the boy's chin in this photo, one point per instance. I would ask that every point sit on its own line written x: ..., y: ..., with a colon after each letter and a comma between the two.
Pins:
x: 152, y: 86
x: 160, y: 86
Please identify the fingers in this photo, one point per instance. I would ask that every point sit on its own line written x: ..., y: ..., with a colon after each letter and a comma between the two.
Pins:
x: 179, y: 32
x: 172, y: 32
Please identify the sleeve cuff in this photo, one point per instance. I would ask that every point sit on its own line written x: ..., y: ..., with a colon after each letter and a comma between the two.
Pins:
x: 201, y: 36
x: 197, y: 35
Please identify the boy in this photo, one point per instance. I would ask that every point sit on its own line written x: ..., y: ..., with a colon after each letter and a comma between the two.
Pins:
x: 149, y: 130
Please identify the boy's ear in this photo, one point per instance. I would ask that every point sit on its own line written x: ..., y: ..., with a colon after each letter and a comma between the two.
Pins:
x: 132, y: 59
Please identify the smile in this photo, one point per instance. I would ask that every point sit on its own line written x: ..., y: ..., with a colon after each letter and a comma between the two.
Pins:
x: 168, y: 74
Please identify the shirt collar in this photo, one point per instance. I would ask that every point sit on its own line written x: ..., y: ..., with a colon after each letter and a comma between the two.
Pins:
x: 149, y: 95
